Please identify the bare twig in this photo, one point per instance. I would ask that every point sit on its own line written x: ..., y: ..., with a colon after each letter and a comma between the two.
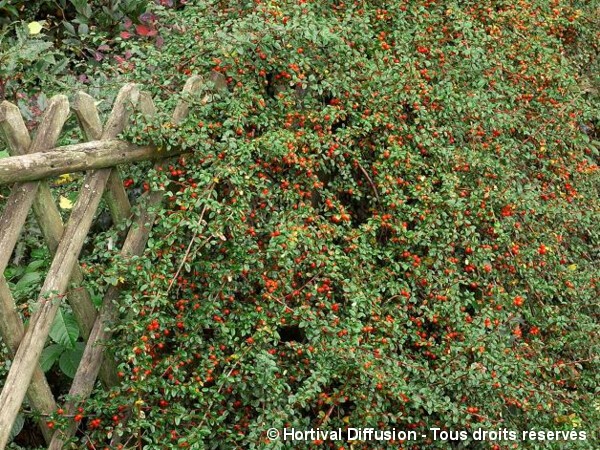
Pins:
x: 191, y: 243
x: 365, y: 173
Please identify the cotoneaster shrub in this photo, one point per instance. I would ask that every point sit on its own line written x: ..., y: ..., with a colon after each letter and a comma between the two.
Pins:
x: 388, y: 218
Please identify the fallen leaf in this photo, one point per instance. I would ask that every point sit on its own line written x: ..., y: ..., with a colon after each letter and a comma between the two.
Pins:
x: 34, y: 27
x: 64, y: 179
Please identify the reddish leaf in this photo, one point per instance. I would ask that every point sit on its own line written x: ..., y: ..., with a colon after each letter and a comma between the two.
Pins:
x: 144, y: 30
x: 125, y: 34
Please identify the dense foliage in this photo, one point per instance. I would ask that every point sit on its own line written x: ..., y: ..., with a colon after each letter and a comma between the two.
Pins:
x: 388, y: 218
x: 49, y: 46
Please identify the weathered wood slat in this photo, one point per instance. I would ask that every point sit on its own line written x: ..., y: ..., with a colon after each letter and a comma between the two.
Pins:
x: 116, y: 198
x: 22, y: 195
x: 13, y: 218
x: 48, y: 217
x: 77, y: 158
x: 125, y: 102
x: 12, y: 330
x: 84, y: 107
x: 47, y: 214
x: 13, y: 128
x: 192, y: 84
x: 115, y: 195
x: 146, y: 104
x: 83, y: 308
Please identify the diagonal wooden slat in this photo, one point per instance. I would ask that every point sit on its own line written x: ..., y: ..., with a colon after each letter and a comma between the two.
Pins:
x: 115, y: 196
x: 87, y: 115
x: 57, y: 281
x: 84, y: 107
x: 89, y: 366
x: 89, y: 121
x: 39, y: 394
x: 192, y: 85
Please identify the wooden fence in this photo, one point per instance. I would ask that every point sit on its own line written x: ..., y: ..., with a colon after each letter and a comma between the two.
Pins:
x: 33, y: 161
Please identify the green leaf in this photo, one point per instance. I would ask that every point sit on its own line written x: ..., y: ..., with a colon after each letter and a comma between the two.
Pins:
x: 27, y: 280
x: 50, y: 355
x: 4, y: 154
x: 69, y: 360
x: 13, y: 272
x: 64, y: 330
x: 9, y: 9
x: 34, y: 265
x: 70, y: 28
x: 17, y: 427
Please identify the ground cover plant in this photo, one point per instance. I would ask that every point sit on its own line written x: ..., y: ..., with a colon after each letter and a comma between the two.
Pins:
x: 388, y: 218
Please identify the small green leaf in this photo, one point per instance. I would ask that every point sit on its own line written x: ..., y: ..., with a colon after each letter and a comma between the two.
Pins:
x: 34, y: 265
x: 17, y: 427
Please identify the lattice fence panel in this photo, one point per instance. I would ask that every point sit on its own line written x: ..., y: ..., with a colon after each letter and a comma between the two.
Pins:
x: 65, y: 241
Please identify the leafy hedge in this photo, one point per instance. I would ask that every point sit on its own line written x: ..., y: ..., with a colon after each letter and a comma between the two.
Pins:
x: 389, y: 218
x: 49, y: 46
